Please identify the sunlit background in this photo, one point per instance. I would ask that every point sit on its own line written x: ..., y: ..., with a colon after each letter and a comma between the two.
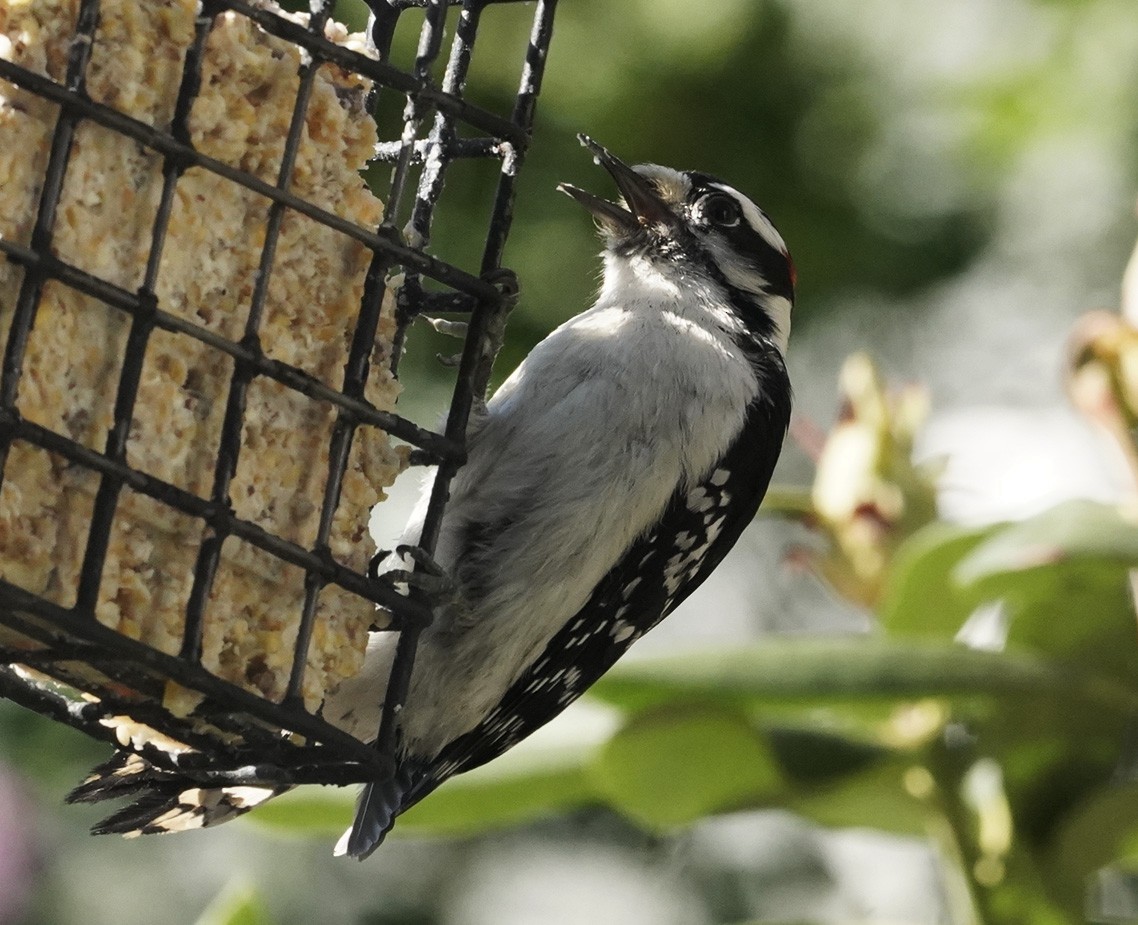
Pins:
x: 957, y: 183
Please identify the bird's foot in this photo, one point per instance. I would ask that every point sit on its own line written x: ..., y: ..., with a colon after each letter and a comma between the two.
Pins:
x: 424, y: 575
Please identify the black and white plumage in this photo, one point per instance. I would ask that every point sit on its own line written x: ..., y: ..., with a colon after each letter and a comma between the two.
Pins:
x: 606, y: 479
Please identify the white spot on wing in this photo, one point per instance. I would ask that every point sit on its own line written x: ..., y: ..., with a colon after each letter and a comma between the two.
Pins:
x: 699, y: 500
x: 248, y: 797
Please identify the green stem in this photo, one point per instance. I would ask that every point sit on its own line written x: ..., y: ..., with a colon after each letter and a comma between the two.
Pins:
x: 810, y: 670
x: 947, y: 768
x: 792, y: 500
x: 1020, y: 896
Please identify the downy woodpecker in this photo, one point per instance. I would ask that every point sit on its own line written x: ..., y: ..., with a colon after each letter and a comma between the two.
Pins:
x: 606, y: 479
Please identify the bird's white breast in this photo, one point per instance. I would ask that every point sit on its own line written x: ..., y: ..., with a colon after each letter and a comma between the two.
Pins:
x: 586, y: 443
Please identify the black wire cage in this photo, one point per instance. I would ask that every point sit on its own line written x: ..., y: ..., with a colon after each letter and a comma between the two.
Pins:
x: 61, y: 661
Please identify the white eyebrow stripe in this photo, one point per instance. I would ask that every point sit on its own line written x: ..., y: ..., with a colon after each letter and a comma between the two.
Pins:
x: 755, y: 218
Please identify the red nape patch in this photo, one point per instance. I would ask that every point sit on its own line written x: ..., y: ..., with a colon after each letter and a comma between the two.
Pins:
x: 793, y: 272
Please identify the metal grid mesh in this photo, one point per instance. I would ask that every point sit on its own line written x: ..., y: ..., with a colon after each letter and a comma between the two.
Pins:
x: 49, y: 652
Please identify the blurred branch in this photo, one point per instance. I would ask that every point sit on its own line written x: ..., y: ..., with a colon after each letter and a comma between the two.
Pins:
x: 823, y: 670
x: 792, y: 501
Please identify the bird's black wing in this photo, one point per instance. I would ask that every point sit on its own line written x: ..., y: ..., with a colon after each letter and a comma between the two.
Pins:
x: 659, y: 570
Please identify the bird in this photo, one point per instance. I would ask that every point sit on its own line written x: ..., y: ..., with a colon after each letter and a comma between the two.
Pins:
x: 605, y: 479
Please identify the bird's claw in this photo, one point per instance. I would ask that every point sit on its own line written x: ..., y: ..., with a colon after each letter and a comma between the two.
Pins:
x: 450, y: 328
x: 426, y: 575
x: 421, y: 558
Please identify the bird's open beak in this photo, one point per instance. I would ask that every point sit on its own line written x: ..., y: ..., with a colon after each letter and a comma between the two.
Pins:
x: 643, y: 206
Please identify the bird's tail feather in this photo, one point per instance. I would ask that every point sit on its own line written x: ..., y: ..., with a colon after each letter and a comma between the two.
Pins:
x: 162, y: 801
x: 378, y: 805
x: 165, y: 801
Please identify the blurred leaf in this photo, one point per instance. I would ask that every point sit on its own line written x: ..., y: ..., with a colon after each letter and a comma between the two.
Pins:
x: 1047, y: 773
x: 814, y: 756
x: 1103, y: 828
x: 921, y: 597
x: 1063, y: 577
x: 237, y: 904
x: 873, y: 798
x: 1084, y: 727
x: 307, y: 811
x: 1073, y: 530
x: 490, y: 797
x: 1080, y: 613
x: 673, y: 765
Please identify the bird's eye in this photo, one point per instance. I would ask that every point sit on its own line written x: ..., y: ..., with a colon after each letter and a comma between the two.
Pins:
x: 721, y: 210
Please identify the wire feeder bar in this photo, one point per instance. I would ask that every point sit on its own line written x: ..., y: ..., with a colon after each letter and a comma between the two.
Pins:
x: 60, y: 661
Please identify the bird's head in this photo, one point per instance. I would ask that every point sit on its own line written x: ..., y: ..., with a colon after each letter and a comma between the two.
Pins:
x: 689, y: 226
